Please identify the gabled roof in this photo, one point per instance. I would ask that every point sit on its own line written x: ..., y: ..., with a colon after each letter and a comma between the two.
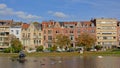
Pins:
x: 70, y: 23
x: 25, y: 25
x: 48, y: 23
x: 86, y: 23
x: 6, y: 22
x: 63, y: 23
x: 38, y: 26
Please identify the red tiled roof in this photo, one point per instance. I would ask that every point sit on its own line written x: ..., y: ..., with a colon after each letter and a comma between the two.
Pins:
x: 25, y: 26
x: 86, y: 22
x: 70, y: 22
x: 7, y: 21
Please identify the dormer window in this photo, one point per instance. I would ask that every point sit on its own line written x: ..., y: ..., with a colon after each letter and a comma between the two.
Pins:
x: 71, y: 26
x: 92, y: 25
x: 86, y: 25
x: 49, y: 25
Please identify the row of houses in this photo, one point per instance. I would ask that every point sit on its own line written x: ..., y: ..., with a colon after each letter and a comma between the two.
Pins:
x: 31, y: 35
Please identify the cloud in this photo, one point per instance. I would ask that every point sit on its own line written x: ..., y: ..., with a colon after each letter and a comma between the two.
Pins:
x: 97, y: 3
x: 5, y: 11
x: 58, y: 14
x: 24, y: 15
x: 2, y: 6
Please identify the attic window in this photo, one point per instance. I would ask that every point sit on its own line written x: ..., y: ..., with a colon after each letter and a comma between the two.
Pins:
x: 65, y: 26
x: 78, y: 31
x: 92, y: 25
x: 12, y: 31
x: 49, y: 31
x: 71, y: 31
x: 57, y: 31
x: 49, y: 25
x: 71, y: 26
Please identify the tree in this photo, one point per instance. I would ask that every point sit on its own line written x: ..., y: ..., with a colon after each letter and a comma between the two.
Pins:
x: 86, y: 40
x: 39, y: 48
x: 36, y: 23
x: 16, y: 45
x: 54, y: 47
x: 98, y: 47
x: 62, y: 40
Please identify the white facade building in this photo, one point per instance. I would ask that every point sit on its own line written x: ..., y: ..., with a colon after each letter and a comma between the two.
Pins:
x: 16, y: 31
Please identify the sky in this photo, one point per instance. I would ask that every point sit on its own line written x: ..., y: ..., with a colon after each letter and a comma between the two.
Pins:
x: 58, y: 10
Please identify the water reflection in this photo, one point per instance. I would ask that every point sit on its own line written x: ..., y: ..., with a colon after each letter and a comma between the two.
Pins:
x: 62, y: 62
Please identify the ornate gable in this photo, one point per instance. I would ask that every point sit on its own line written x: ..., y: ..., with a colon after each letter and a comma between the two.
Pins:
x: 57, y: 24
x: 78, y: 24
x: 31, y: 27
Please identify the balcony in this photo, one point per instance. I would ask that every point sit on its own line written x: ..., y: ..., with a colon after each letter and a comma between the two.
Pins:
x: 39, y: 37
x: 5, y: 46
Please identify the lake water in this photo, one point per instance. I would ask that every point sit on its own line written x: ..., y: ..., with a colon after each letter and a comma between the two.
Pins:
x: 62, y: 62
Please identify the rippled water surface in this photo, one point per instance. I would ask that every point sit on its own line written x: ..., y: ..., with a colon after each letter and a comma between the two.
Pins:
x: 62, y: 62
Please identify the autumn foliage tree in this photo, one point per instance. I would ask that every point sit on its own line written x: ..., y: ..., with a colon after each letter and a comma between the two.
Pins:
x: 86, y: 40
x: 16, y: 45
x: 62, y: 40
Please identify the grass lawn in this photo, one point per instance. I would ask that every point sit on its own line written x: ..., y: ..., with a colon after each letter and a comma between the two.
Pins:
x: 43, y: 54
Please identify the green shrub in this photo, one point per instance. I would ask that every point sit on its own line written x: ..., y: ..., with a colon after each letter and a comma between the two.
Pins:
x: 54, y: 48
x: 98, y: 47
x: 7, y: 50
x: 39, y: 48
x: 88, y: 49
x: 50, y: 49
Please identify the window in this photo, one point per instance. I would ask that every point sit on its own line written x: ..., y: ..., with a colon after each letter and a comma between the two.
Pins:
x: 49, y: 45
x: 71, y: 31
x: 12, y: 31
x: 17, y: 32
x: 57, y: 31
x: 98, y: 28
x: 39, y: 41
x: 44, y: 31
x: 98, y: 42
x: 65, y: 26
x: 78, y: 31
x: 23, y: 35
x: 98, y: 33
x: 34, y: 41
x: 0, y: 38
x: 92, y: 25
x: 44, y: 37
x: 92, y: 31
x: 66, y: 31
x: 106, y: 33
x: 104, y: 38
x: 34, y: 34
x: 72, y: 37
x: 39, y: 34
x: 114, y: 37
x: 28, y: 35
x: 49, y: 31
x: 49, y: 25
x: 49, y: 37
x: 71, y: 26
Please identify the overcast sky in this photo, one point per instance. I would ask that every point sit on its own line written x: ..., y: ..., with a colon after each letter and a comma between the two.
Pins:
x: 58, y: 10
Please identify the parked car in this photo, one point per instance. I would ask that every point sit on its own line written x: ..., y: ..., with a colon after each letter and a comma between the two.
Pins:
x: 71, y: 50
x: 46, y: 50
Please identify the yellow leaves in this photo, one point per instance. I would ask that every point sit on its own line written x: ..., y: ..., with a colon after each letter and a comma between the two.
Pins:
x: 86, y: 39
